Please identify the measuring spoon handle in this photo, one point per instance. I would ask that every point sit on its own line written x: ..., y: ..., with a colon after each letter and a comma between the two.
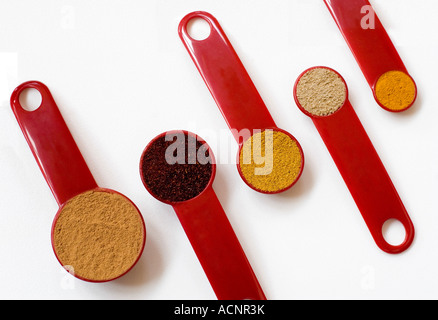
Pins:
x: 226, y: 77
x: 52, y: 145
x: 362, y: 30
x: 217, y: 248
x: 364, y: 174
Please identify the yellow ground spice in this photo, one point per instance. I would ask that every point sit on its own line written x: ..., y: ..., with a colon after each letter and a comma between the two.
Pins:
x: 270, y: 161
x: 395, y: 90
x: 98, y: 235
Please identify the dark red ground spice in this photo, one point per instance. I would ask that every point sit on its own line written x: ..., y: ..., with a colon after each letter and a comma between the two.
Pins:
x: 180, y: 181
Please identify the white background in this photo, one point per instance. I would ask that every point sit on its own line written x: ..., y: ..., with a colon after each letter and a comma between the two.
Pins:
x: 120, y: 76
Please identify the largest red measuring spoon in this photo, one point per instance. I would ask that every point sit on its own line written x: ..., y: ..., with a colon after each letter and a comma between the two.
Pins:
x: 69, y: 178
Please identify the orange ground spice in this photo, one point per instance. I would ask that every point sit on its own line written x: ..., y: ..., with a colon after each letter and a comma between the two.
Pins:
x: 395, y: 90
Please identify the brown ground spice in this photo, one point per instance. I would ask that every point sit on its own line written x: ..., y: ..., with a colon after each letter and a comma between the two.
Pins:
x: 99, y: 235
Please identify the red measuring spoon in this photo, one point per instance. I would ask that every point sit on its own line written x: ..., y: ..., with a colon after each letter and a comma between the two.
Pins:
x: 362, y: 170
x: 211, y: 236
x: 370, y: 44
x: 59, y: 158
x: 230, y: 85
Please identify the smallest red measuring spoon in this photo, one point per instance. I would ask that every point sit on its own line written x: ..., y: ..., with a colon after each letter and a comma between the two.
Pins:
x: 178, y: 168
x: 98, y: 234
x: 393, y: 88
x: 322, y: 94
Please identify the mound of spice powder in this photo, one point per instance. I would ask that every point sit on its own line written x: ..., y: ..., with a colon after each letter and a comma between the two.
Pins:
x: 98, y: 235
x: 270, y: 161
x: 321, y: 92
x: 176, y: 170
x: 396, y: 90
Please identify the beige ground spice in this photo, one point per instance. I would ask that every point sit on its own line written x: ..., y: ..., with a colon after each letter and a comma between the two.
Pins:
x: 321, y: 91
x: 99, y: 235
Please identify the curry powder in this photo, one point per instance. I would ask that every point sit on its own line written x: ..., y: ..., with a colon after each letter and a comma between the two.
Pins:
x: 270, y: 161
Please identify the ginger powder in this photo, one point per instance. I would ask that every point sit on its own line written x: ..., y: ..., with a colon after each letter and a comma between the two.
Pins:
x: 270, y: 161
x: 321, y: 91
x: 98, y: 235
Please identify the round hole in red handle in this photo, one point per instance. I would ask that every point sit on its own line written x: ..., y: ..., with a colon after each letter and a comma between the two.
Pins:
x: 198, y: 28
x: 394, y: 232
x: 30, y: 99
x: 30, y: 96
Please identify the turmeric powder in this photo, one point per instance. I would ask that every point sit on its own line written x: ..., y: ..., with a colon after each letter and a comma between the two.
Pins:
x: 270, y: 161
x: 395, y: 90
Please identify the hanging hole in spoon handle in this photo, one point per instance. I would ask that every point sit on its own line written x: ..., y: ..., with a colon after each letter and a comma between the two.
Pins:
x: 198, y: 29
x: 226, y: 78
x: 178, y: 168
x: 187, y: 26
x: 322, y: 94
x: 30, y: 99
x: 52, y: 144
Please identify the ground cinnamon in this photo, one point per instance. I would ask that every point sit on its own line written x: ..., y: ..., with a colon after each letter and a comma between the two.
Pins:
x: 99, y: 235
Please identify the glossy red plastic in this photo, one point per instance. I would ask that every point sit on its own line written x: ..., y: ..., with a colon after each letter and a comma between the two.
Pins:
x: 371, y: 46
x: 213, y: 240
x: 52, y: 145
x: 362, y: 170
x: 56, y: 152
x: 229, y: 83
